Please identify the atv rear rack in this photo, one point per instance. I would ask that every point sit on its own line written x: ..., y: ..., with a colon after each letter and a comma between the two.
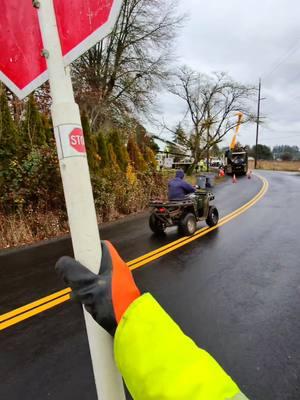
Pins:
x: 173, y: 203
x: 181, y: 203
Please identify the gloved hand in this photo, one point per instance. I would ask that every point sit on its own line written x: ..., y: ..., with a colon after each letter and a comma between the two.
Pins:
x: 106, y: 296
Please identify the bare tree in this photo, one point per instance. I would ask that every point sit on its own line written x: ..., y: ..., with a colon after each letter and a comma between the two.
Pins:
x: 120, y: 74
x: 212, y: 103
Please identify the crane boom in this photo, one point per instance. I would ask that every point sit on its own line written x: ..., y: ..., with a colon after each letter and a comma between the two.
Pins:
x: 234, y: 139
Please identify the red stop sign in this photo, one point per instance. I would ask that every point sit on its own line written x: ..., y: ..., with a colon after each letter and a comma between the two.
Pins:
x: 76, y: 140
x: 81, y: 24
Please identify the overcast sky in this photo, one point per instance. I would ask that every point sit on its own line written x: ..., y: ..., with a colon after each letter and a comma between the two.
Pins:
x: 248, y: 39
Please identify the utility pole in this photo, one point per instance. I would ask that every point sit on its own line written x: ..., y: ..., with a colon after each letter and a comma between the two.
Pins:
x: 207, y: 153
x: 257, y: 122
x: 208, y: 124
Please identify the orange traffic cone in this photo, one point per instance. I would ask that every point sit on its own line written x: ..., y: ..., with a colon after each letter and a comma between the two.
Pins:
x: 221, y: 173
x: 234, y: 180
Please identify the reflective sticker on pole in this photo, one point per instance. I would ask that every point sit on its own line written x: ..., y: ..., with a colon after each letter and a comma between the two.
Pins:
x: 70, y: 141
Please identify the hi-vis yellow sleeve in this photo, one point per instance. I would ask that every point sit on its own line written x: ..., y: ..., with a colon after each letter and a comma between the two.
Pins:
x: 159, y: 362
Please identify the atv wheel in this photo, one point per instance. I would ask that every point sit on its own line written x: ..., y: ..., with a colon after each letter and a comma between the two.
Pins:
x: 156, y: 225
x: 188, y: 224
x: 213, y: 216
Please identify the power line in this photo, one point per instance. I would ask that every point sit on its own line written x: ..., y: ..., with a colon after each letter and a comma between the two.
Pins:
x: 280, y: 138
x: 294, y: 97
x: 274, y: 131
x: 296, y: 77
x: 282, y: 59
x: 289, y: 53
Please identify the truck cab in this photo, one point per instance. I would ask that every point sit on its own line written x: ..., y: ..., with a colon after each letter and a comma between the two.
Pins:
x: 236, y: 161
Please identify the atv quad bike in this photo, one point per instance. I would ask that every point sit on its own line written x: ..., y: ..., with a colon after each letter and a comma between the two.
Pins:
x: 184, y: 213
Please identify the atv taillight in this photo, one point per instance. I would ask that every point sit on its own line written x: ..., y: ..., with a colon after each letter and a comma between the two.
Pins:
x: 162, y: 209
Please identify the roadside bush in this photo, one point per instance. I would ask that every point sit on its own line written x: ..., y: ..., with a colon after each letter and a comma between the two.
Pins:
x: 32, y: 182
x: 32, y: 207
x: 122, y: 194
x: 104, y: 197
x: 21, y: 228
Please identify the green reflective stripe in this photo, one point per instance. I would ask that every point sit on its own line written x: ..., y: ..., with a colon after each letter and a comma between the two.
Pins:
x: 159, y: 362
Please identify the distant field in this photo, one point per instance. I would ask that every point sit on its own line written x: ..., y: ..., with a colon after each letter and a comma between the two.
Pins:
x: 276, y: 165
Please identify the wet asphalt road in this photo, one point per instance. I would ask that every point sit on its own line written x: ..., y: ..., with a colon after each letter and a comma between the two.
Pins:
x: 236, y: 292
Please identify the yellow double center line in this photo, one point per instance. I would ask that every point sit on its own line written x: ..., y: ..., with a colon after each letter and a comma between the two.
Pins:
x: 20, y: 314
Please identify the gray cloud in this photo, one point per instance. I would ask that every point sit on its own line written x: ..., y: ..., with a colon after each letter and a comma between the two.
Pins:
x: 247, y: 39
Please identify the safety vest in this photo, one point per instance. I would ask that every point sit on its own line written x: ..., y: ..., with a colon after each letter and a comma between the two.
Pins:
x: 159, y: 362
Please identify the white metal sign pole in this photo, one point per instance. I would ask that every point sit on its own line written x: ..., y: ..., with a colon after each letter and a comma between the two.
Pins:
x: 78, y: 194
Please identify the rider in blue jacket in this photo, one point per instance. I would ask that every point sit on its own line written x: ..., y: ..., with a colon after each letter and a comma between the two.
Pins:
x: 178, y: 188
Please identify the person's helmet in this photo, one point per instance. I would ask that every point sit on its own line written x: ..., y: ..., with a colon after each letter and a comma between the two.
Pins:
x: 180, y: 174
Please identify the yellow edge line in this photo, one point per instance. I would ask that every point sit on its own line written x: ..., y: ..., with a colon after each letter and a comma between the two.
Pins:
x: 57, y: 298
x: 33, y: 312
x: 34, y: 304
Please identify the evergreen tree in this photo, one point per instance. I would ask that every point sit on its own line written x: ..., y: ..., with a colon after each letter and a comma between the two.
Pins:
x: 180, y: 137
x: 150, y: 157
x: 9, y: 140
x: 91, y: 144
x: 119, y: 150
x: 135, y: 155
x: 263, y: 152
x: 114, y: 165
x: 131, y: 175
x: 47, y: 127
x: 143, y: 139
x: 177, y: 149
x: 102, y: 150
x: 34, y: 132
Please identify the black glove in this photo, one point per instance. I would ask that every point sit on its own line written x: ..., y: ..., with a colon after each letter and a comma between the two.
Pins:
x: 106, y: 296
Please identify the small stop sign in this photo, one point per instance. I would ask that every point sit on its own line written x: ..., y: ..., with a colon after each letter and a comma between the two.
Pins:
x: 76, y: 140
